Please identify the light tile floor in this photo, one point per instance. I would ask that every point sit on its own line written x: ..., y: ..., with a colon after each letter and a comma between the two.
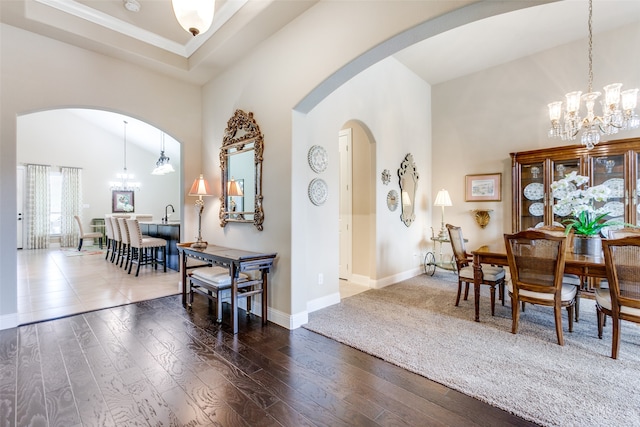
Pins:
x: 56, y: 282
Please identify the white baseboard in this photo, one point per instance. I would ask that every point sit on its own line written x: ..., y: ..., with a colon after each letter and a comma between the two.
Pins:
x: 320, y: 303
x: 8, y: 321
x: 286, y: 320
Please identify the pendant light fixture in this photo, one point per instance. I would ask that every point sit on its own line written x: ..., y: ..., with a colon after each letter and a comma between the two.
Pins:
x: 123, y: 183
x: 613, y: 117
x: 195, y: 16
x: 163, y: 166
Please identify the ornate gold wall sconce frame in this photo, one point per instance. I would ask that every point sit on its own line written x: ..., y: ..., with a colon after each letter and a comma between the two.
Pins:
x: 481, y: 216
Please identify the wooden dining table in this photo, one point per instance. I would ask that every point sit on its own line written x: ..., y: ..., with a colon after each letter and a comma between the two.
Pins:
x: 496, y: 254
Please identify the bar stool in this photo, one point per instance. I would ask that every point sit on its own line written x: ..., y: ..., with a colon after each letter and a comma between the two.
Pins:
x: 125, y: 244
x: 145, y: 250
x: 109, y: 233
x: 115, y: 227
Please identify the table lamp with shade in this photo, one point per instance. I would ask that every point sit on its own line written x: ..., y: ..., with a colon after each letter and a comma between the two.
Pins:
x: 442, y: 199
x: 200, y: 188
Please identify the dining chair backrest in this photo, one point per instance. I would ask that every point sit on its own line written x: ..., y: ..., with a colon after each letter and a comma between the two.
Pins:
x: 135, y: 234
x: 536, y: 261
x: 124, y: 230
x: 457, y: 245
x: 108, y: 228
x: 624, y: 232
x: 77, y: 218
x: 116, y: 229
x: 622, y: 260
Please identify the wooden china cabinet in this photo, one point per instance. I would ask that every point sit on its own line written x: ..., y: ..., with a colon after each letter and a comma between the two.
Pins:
x: 614, y: 164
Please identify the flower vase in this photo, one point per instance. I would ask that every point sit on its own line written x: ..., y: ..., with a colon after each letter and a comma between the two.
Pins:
x: 587, y: 245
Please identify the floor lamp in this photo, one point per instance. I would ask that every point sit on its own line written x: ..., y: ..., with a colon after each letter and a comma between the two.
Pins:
x: 443, y: 199
x: 200, y: 188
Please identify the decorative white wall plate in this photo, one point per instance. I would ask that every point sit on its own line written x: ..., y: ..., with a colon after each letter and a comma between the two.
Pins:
x: 318, y: 159
x: 318, y: 191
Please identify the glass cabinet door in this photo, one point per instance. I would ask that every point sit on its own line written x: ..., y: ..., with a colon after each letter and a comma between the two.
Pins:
x: 610, y: 172
x: 532, y: 191
x: 636, y: 190
x: 561, y: 168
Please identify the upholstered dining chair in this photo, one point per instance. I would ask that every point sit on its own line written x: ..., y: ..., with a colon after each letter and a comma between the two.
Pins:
x: 145, y: 250
x: 621, y: 300
x: 117, y: 240
x: 491, y: 275
x: 125, y: 243
x: 536, y: 261
x: 108, y: 228
x: 90, y: 235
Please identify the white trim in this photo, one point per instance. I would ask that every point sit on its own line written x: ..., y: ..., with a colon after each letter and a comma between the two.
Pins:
x: 228, y: 9
x: 8, y: 321
x: 359, y: 279
x: 390, y: 280
x: 325, y: 301
x: 288, y: 321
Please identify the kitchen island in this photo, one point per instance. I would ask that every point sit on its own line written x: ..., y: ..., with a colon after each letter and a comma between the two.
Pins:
x: 170, y: 231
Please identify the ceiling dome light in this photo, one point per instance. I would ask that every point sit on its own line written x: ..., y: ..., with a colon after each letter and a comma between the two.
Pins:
x: 195, y: 16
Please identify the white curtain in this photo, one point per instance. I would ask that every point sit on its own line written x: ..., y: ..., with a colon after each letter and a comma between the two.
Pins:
x: 71, y: 205
x: 38, y: 207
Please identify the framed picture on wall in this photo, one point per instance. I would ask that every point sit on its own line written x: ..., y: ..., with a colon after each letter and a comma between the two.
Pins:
x: 483, y: 188
x: 122, y: 201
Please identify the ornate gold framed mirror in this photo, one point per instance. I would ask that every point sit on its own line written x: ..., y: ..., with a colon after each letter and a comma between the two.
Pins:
x: 241, y: 165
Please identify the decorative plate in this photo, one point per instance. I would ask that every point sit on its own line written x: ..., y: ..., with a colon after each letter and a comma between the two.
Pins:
x: 562, y: 193
x: 534, y: 191
x: 318, y: 158
x: 616, y: 224
x: 614, y: 208
x: 386, y: 176
x: 536, y: 209
x: 616, y: 185
x: 561, y: 210
x: 318, y: 191
x: 392, y: 200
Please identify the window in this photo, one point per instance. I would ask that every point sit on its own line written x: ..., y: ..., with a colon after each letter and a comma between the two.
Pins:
x: 55, y: 207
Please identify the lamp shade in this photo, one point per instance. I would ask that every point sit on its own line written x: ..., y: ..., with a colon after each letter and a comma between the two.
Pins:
x: 233, y: 188
x: 195, y: 16
x: 200, y: 187
x: 443, y: 199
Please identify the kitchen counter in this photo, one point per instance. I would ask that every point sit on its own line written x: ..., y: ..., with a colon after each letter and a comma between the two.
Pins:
x: 169, y: 231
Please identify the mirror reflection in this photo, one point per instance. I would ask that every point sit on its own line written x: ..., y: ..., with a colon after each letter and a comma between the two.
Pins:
x: 408, y: 176
x: 241, y: 164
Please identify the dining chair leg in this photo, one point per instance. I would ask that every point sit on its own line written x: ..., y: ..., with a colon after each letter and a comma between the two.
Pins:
x: 515, y: 316
x: 557, y: 311
x: 459, y: 292
x: 570, y: 313
x: 493, y: 300
x: 466, y: 291
x: 600, y: 316
x: 615, y: 344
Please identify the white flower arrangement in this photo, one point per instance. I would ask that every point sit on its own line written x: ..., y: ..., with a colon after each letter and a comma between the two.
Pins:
x: 587, y: 220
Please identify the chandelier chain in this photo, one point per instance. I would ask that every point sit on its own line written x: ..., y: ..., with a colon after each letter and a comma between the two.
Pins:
x: 590, y: 47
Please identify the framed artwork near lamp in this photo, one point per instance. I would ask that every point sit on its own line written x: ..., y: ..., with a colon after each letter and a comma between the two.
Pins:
x: 122, y: 201
x: 483, y: 187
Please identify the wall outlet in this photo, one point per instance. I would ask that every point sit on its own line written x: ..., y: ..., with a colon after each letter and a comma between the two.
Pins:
x: 320, y: 279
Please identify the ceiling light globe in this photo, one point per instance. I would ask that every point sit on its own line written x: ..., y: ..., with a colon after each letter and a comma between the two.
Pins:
x: 195, y: 16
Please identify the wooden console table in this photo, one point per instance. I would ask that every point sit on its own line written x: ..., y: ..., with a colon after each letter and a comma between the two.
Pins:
x: 236, y: 261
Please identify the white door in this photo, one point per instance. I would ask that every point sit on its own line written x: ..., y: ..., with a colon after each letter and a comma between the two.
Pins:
x: 344, y: 140
x: 20, y: 204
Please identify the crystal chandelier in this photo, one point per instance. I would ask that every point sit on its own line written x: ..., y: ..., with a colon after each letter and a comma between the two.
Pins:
x: 123, y: 183
x: 613, y: 118
x: 163, y: 166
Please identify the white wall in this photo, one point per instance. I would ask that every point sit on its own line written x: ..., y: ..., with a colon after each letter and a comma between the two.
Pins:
x: 61, y: 138
x: 479, y: 119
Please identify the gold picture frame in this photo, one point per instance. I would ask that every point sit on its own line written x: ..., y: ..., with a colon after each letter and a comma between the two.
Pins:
x: 483, y: 187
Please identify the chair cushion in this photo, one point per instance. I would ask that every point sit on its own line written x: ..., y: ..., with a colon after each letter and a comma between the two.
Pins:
x: 489, y: 273
x: 153, y: 242
x: 603, y: 298
x: 571, y: 279
x: 568, y: 293
x: 217, y: 275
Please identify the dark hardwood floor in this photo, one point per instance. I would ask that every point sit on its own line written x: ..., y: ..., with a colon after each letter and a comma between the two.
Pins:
x: 155, y: 363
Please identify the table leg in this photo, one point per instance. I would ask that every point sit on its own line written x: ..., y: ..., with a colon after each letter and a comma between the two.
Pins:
x: 477, y: 279
x: 265, y: 274
x: 234, y: 298
x: 183, y: 263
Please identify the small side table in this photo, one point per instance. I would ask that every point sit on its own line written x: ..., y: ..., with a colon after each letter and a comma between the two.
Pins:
x: 430, y: 262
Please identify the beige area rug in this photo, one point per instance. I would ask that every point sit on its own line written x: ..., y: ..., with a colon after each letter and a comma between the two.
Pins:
x: 415, y: 325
